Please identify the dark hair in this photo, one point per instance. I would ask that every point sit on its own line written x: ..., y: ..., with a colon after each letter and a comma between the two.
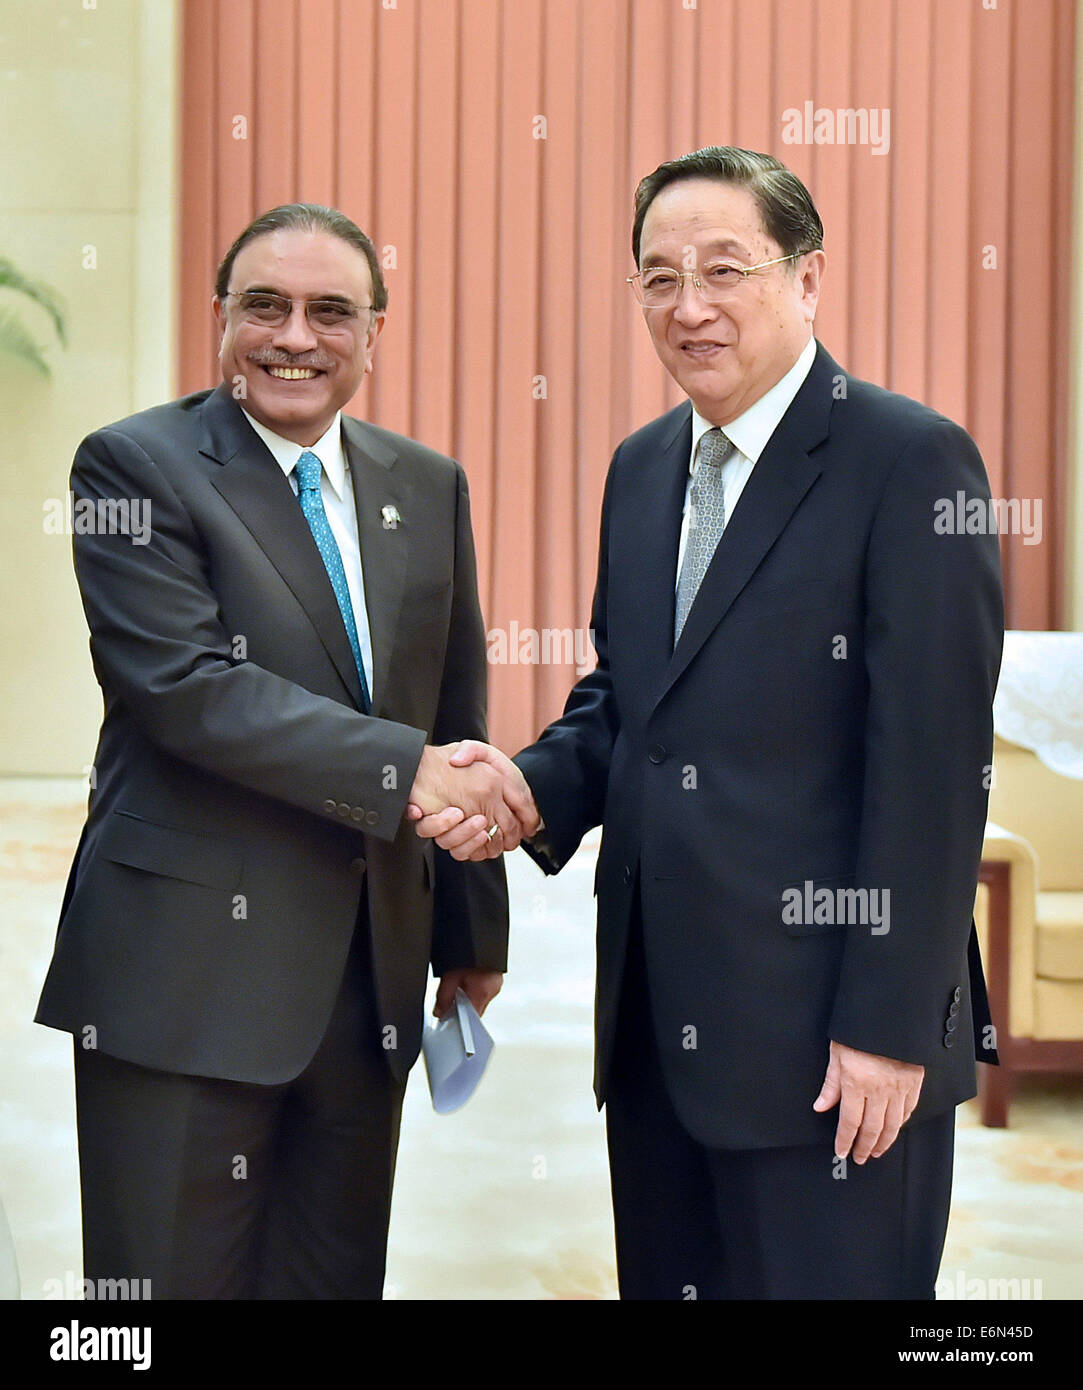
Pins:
x: 306, y: 217
x: 785, y: 204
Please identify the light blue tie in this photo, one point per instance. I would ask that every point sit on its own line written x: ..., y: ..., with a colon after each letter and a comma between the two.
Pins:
x: 308, y: 470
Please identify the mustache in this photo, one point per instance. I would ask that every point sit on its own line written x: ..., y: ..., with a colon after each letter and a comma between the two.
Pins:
x: 264, y: 358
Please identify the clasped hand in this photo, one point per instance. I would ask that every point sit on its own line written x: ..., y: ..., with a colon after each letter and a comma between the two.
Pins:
x: 461, y: 790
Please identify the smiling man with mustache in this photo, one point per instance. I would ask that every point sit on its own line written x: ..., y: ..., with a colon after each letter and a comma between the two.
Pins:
x: 247, y: 930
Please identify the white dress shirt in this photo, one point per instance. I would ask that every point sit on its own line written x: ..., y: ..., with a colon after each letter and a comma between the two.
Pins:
x: 748, y: 434
x: 336, y: 492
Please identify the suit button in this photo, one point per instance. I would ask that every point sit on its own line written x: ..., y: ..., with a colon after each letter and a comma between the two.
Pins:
x: 372, y: 817
x: 949, y: 1025
x: 953, y: 1010
x: 358, y: 865
x: 657, y: 753
x: 958, y: 994
x: 949, y: 1039
x: 358, y: 813
x: 344, y: 810
x: 330, y: 807
x: 628, y: 875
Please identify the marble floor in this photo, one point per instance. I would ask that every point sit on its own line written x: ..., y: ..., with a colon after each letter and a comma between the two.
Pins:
x: 509, y: 1197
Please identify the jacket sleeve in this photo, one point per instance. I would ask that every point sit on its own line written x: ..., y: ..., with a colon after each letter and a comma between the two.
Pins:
x: 568, y: 767
x: 160, y: 648
x: 470, y: 912
x: 933, y: 636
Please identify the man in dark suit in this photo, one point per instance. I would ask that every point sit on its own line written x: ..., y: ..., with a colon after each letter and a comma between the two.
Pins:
x: 787, y: 742
x: 246, y: 933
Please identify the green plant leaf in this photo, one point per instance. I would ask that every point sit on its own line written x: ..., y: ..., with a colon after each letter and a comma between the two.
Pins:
x: 15, y: 338
x: 43, y: 295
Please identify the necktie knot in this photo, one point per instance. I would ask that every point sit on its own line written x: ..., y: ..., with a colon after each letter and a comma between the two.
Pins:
x: 309, y: 469
x: 714, y: 448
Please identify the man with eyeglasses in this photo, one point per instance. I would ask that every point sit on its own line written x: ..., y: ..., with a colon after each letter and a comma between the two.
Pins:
x: 787, y: 742
x: 246, y: 934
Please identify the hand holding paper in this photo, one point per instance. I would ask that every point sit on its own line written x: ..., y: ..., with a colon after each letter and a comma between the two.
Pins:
x: 480, y: 987
x: 456, y: 1052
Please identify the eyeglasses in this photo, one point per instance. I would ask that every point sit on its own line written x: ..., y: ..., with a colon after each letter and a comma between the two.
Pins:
x: 272, y: 310
x: 659, y: 287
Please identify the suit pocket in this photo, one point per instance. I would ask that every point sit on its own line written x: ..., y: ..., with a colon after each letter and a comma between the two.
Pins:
x: 815, y: 906
x: 174, y: 853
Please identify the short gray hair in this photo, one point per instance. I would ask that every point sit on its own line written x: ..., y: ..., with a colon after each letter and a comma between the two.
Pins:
x: 785, y: 204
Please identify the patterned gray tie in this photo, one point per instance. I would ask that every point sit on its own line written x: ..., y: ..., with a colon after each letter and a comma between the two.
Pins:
x: 706, y: 519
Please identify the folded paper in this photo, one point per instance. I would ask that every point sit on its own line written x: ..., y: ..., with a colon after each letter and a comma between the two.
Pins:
x: 457, y: 1051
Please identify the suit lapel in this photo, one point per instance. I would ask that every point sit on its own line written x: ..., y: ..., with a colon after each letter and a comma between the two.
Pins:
x: 645, y: 565
x: 385, y: 549
x: 255, y: 487
x: 781, y: 478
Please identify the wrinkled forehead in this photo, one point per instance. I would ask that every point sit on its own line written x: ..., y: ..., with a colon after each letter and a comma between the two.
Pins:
x: 708, y: 215
x: 302, y: 264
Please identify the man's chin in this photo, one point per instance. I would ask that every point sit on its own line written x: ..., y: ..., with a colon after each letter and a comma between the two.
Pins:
x: 291, y: 418
x: 703, y: 381
x: 710, y: 400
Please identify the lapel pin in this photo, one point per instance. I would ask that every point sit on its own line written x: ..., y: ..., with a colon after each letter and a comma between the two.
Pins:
x: 391, y: 518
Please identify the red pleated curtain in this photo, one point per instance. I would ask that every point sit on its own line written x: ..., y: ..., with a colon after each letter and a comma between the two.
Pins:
x: 491, y: 149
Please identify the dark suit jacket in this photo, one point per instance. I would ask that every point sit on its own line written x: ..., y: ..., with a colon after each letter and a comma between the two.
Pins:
x: 764, y: 752
x: 243, y: 802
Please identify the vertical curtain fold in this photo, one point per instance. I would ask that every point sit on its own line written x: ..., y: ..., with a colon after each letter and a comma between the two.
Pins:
x: 491, y: 148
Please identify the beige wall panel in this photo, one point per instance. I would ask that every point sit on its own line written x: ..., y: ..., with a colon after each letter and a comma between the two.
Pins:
x: 87, y: 125
x: 69, y: 85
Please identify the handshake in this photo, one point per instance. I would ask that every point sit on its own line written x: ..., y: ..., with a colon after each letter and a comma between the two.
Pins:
x: 472, y: 800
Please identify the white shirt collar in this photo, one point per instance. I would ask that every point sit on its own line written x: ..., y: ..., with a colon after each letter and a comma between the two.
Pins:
x: 328, y: 449
x: 751, y: 430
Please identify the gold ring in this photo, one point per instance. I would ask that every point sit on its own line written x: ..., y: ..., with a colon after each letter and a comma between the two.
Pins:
x: 493, y: 831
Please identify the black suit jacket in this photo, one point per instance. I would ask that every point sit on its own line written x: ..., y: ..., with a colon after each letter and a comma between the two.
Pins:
x: 824, y: 719
x: 243, y: 803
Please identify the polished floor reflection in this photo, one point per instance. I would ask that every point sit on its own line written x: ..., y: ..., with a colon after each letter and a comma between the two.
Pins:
x: 508, y: 1198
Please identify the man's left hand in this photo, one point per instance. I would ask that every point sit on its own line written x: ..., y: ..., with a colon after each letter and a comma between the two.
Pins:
x: 875, y: 1095
x: 479, y: 986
